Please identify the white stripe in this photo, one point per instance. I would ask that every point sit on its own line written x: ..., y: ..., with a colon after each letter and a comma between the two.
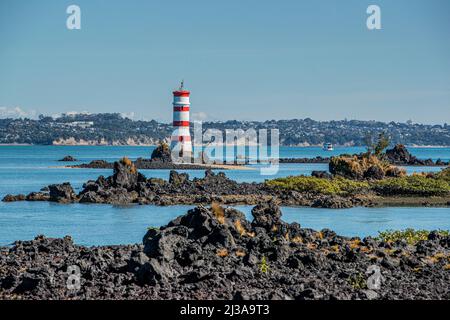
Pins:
x: 181, y: 101
x: 181, y: 116
x: 181, y: 132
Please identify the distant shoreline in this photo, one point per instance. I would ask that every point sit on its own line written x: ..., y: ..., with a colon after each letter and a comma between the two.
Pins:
x: 153, y: 145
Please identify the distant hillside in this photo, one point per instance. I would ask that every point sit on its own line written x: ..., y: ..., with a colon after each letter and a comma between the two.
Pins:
x: 113, y: 129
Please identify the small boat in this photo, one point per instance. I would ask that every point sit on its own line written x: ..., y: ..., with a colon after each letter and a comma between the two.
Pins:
x: 328, y: 147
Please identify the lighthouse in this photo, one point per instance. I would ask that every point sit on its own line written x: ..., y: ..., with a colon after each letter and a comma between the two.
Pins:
x: 181, y: 144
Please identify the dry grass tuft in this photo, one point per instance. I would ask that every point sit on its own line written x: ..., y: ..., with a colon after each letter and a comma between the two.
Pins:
x: 366, y: 249
x: 354, y: 244
x: 127, y: 162
x: 240, y: 253
x: 335, y: 248
x: 219, y: 212
x: 222, y: 253
x: 297, y: 239
x: 440, y: 256
x: 241, y: 230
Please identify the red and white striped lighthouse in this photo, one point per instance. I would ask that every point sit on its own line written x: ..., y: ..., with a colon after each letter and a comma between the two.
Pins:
x: 181, y: 143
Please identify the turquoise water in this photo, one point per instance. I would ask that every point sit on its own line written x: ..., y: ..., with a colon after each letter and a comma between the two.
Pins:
x: 24, y: 169
x: 92, y: 224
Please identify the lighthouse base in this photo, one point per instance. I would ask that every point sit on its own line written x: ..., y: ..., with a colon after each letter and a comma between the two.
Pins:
x: 181, y: 152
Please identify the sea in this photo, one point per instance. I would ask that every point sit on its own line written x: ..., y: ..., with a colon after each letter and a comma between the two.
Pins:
x: 24, y: 169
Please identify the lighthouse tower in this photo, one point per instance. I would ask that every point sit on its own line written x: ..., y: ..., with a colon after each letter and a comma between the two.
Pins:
x: 181, y: 144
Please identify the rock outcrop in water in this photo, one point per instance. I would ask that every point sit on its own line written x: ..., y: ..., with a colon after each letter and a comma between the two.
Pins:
x: 132, y: 187
x: 61, y: 193
x: 162, y: 153
x: 68, y: 159
x: 160, y: 159
x: 364, y: 166
x: 215, y: 253
x: 399, y: 155
x: 146, y: 164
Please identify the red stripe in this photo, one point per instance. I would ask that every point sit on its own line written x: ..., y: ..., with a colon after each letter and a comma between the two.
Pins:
x: 184, y: 108
x: 181, y: 93
x: 181, y: 123
x: 181, y: 138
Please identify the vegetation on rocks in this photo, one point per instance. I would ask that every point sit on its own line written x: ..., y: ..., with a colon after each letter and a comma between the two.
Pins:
x: 409, y: 235
x: 335, y: 186
x: 162, y: 153
x: 376, y: 146
x: 364, y: 166
x: 444, y: 175
x: 372, y: 165
x: 414, y: 185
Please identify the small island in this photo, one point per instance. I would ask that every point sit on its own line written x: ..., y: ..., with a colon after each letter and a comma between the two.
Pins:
x: 161, y: 159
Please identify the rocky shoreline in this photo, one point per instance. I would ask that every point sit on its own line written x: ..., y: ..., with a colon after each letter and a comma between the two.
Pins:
x: 215, y: 253
x: 145, y: 164
x: 180, y: 190
x: 398, y: 155
x: 128, y: 186
x: 161, y: 159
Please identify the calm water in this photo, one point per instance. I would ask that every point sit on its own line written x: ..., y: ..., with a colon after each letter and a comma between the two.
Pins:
x: 28, y: 168
x: 91, y: 224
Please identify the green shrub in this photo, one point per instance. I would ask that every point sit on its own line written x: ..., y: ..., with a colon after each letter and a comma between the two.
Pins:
x: 338, y: 185
x: 264, y: 266
x: 444, y: 175
x: 411, y: 236
x: 415, y: 185
x: 358, y: 281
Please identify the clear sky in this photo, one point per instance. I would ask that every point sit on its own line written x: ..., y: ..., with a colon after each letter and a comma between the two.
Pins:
x: 242, y: 59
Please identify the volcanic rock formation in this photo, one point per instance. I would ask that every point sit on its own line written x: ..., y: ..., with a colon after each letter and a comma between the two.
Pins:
x: 216, y: 253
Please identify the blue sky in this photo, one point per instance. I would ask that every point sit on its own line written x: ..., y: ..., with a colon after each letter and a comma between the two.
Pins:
x: 242, y: 59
